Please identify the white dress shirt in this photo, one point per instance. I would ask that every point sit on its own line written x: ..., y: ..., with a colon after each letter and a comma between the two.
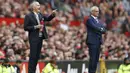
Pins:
x: 95, y: 18
x: 37, y: 17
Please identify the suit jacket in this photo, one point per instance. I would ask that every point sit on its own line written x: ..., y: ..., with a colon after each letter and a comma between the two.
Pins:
x: 29, y: 23
x: 94, y: 31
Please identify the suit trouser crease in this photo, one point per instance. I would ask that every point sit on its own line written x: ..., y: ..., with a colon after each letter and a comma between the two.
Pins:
x: 35, y: 48
x: 94, y: 52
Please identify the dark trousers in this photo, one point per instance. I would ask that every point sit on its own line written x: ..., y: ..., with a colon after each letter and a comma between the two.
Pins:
x: 94, y: 51
x: 35, y: 49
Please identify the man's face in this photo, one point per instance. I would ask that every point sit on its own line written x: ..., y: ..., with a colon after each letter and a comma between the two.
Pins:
x: 19, y: 64
x: 127, y: 61
x: 36, y: 7
x: 95, y: 12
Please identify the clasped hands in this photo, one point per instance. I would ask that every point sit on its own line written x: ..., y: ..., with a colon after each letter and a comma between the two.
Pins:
x: 39, y: 27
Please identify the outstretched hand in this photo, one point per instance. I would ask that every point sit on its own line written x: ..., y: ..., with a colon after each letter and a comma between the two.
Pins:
x: 54, y: 12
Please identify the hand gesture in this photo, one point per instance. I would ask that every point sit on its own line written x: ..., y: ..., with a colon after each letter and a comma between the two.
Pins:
x: 39, y: 26
x: 54, y: 12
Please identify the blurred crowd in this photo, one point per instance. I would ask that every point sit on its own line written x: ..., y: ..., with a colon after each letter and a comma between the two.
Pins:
x: 67, y: 42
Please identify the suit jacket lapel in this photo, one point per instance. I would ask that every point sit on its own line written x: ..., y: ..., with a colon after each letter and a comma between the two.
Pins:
x: 34, y: 18
x: 94, y: 20
x: 39, y: 16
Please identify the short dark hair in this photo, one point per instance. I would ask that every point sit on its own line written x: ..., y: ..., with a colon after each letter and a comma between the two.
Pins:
x: 6, y: 60
x: 52, y: 61
x: 18, y: 61
x: 125, y: 59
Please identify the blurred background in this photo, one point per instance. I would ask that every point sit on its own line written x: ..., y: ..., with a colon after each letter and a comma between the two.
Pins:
x: 67, y: 31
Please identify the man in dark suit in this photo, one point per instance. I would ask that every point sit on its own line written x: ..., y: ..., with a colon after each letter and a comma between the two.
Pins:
x: 94, y: 38
x: 34, y: 24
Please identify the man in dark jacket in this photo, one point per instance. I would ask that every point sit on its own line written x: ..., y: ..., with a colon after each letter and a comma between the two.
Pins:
x: 34, y: 24
x: 94, y: 38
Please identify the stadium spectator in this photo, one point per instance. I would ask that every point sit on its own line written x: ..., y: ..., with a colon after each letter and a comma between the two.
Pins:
x: 68, y: 42
x: 17, y: 66
x: 50, y: 67
x: 5, y: 67
x: 124, y: 68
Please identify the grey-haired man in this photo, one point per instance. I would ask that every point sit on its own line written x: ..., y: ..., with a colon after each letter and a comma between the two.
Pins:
x: 34, y: 24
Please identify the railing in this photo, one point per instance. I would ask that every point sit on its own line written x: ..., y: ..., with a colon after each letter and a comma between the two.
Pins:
x: 76, y: 66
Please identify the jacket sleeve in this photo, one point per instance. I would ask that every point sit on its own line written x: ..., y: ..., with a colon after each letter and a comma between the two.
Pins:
x: 92, y: 25
x: 0, y: 68
x: 12, y: 69
x: 56, y: 71
x: 47, y: 69
x: 27, y: 25
x: 48, y: 18
x: 120, y: 69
